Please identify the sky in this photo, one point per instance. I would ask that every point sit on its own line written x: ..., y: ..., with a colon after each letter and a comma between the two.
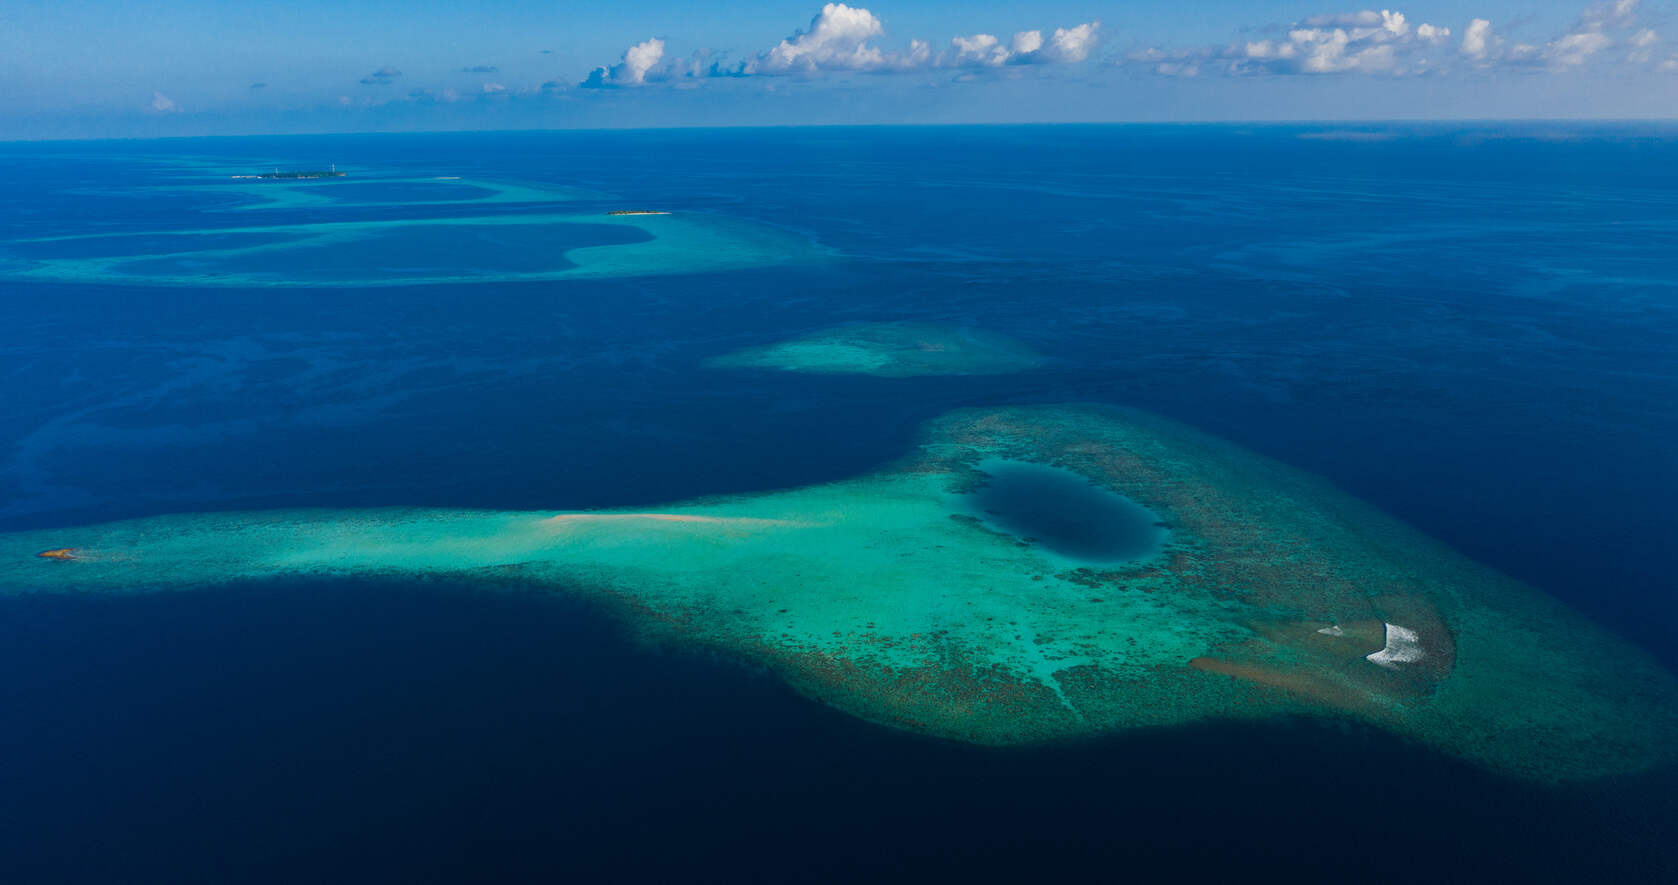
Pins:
x: 116, y: 68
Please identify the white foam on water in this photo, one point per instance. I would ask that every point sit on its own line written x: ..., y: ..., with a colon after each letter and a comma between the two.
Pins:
x: 1332, y: 631
x: 1404, y: 646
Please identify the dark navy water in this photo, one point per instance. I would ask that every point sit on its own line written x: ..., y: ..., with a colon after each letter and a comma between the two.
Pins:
x: 1473, y: 328
x: 1063, y: 512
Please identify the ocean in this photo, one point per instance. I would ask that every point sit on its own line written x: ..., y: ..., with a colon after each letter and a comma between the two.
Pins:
x: 1470, y: 327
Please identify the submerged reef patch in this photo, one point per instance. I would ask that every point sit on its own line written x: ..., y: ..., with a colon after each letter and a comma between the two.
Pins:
x: 363, y: 189
x: 889, y: 350
x: 1267, y: 593
x: 411, y: 251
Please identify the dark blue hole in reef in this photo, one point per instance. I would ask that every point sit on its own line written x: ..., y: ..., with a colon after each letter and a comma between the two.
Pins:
x: 1063, y: 512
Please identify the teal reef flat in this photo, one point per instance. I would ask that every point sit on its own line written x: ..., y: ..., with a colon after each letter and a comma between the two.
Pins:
x: 246, y: 195
x: 1267, y: 593
x: 413, y: 251
x: 889, y: 350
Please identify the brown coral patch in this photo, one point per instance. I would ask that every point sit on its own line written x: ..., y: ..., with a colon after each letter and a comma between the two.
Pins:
x: 1317, y: 688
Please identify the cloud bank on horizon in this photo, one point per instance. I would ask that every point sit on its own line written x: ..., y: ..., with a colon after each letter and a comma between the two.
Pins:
x: 844, y: 42
x: 844, y: 38
x: 1385, y: 42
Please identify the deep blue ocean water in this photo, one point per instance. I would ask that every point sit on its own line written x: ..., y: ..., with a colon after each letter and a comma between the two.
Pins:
x: 1471, y: 327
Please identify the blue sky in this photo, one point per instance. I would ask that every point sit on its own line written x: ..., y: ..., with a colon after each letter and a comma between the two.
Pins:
x: 91, y: 68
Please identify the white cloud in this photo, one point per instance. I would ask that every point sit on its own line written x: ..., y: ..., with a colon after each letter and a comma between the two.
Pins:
x: 983, y: 49
x: 632, y: 69
x: 1026, y: 42
x: 1572, y: 50
x: 1432, y: 33
x: 163, y: 104
x: 837, y: 40
x: 1478, y: 41
x: 1070, y: 45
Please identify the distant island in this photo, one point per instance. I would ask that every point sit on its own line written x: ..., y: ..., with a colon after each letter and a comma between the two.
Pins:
x: 305, y: 173
x: 638, y: 212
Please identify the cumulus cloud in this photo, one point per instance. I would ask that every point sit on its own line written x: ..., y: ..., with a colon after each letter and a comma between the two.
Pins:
x: 1478, y: 40
x: 163, y: 104
x: 632, y: 70
x: 1432, y: 33
x: 837, y: 40
x: 843, y: 38
x: 644, y: 63
x: 382, y: 77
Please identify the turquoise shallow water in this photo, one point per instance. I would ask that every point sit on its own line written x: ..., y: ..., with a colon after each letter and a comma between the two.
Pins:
x: 143, y: 244
x: 1470, y: 329
x: 382, y: 191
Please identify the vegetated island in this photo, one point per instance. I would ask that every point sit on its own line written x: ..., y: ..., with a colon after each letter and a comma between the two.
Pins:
x: 890, y: 350
x: 946, y: 594
x: 299, y: 174
x: 638, y: 212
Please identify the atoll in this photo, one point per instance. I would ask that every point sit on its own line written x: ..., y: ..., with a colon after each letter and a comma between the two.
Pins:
x: 1265, y: 592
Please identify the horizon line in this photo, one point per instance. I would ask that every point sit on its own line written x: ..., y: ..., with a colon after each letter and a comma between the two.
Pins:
x: 1392, y: 121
